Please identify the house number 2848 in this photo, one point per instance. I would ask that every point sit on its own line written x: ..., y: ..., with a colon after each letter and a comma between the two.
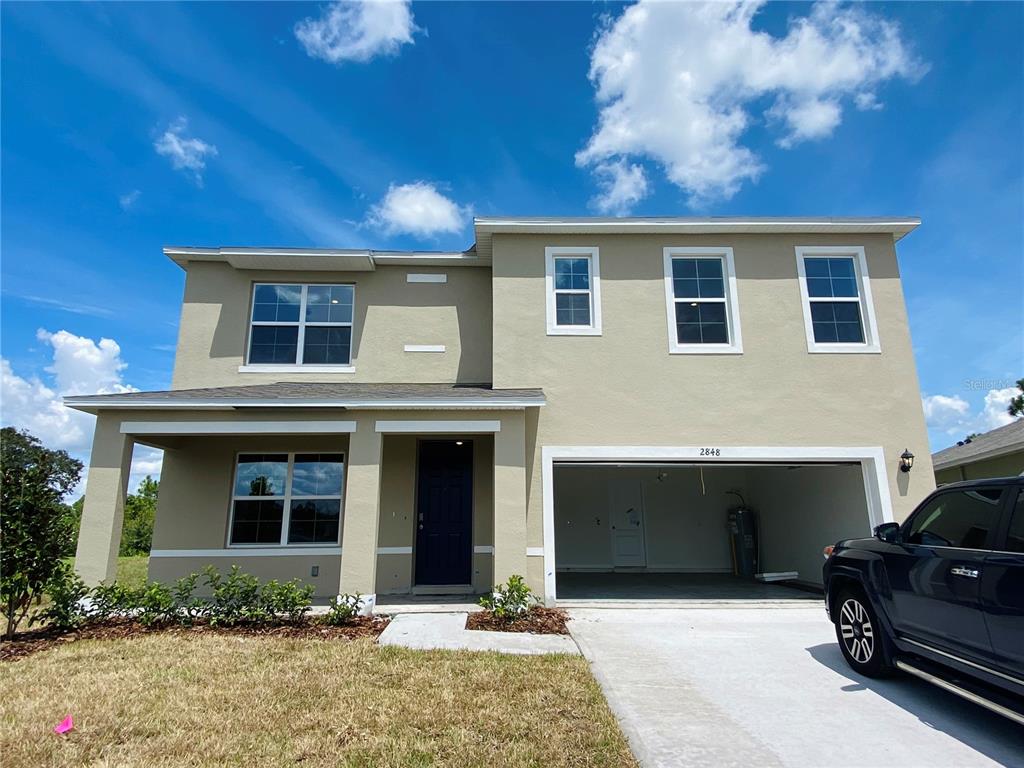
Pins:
x: 710, y: 451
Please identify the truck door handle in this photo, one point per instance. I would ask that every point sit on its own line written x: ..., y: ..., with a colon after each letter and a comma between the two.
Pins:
x: 959, y: 570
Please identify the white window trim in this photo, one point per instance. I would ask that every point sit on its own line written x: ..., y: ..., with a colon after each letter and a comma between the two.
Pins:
x: 301, y: 324
x: 287, y: 498
x: 592, y: 253
x: 871, y: 343
x: 731, y: 301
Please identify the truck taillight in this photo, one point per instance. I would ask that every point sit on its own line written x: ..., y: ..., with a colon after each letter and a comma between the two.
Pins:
x: 827, y: 551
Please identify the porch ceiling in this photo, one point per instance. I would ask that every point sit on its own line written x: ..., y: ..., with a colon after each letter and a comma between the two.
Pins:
x: 344, y: 395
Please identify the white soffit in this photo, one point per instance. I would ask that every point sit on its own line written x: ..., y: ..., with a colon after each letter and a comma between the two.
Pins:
x: 897, y: 226
x: 323, y: 259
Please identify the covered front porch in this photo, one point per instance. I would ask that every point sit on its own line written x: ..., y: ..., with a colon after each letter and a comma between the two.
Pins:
x: 400, y: 491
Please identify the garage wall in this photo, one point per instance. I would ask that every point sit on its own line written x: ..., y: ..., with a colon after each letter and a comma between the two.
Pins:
x: 805, y: 509
x: 684, y: 526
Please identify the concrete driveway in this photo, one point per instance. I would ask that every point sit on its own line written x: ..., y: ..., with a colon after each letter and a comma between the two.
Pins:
x: 763, y: 686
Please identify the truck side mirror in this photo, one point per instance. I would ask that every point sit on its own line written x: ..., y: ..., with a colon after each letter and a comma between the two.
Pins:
x: 888, y: 532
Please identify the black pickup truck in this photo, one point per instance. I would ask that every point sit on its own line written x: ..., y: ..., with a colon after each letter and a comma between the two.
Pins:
x: 940, y: 596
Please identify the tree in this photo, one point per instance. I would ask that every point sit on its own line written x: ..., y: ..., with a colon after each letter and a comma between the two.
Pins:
x: 139, y: 514
x: 1016, y: 407
x: 35, y: 529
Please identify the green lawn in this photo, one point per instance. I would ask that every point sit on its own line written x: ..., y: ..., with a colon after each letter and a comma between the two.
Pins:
x: 215, y: 700
x: 130, y: 570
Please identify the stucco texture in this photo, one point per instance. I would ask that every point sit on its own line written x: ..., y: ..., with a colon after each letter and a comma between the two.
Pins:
x: 623, y: 388
x: 389, y: 313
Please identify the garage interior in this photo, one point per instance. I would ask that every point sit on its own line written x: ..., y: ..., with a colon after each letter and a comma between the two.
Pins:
x: 660, y: 531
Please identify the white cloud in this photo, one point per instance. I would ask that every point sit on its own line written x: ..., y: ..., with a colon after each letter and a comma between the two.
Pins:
x: 418, y: 209
x: 954, y: 416
x: 128, y: 200
x: 186, y: 153
x: 79, y: 366
x: 622, y: 186
x: 674, y: 82
x: 357, y: 30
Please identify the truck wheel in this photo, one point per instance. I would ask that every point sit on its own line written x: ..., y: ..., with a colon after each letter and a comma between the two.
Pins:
x: 859, y: 634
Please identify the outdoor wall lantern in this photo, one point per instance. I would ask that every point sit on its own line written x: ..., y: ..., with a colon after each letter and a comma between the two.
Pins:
x: 906, y: 460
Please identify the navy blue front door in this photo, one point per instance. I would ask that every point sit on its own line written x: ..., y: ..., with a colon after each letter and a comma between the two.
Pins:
x: 444, y: 513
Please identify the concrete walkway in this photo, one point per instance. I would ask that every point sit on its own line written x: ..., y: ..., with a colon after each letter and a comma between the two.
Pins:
x: 427, y: 631
x: 769, y: 687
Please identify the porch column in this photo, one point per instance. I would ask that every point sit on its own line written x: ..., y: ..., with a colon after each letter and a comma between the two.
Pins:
x: 510, y: 497
x: 99, y: 537
x: 361, y: 514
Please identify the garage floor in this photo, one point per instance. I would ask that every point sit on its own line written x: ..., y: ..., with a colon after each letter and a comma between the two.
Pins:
x: 576, y: 586
x: 768, y: 687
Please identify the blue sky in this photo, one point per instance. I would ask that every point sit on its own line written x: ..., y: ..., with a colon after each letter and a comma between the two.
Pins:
x: 131, y: 126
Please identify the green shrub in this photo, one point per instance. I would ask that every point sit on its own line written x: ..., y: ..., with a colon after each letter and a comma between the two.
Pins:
x: 290, y: 599
x: 234, y: 599
x: 110, y: 601
x: 155, y: 604
x: 187, y: 607
x: 67, y: 609
x: 342, y: 609
x: 509, y: 601
x: 36, y: 529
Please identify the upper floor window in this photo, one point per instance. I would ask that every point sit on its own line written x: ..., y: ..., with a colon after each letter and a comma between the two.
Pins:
x: 703, y: 310
x: 573, y: 279
x: 838, y: 312
x: 301, y: 324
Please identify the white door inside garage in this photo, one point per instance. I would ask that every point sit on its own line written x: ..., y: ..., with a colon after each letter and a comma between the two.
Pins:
x: 636, y: 529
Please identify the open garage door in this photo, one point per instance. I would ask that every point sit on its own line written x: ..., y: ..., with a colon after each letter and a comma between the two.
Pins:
x: 634, y: 530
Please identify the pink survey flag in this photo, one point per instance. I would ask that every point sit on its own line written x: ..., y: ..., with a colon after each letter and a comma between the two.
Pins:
x: 64, y: 725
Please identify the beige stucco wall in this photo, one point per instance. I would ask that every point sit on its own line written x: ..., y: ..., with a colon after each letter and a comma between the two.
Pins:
x: 398, y: 511
x: 624, y: 388
x: 389, y: 313
x: 193, y: 509
x: 1010, y: 465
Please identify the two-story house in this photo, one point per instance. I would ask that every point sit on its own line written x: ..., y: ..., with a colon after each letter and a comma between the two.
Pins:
x: 568, y: 396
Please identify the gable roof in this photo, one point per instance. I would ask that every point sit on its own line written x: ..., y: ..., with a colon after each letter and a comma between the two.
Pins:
x: 997, y: 442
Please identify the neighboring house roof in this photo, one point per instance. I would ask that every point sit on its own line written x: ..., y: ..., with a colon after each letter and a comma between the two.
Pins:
x: 998, y: 442
x: 308, y: 394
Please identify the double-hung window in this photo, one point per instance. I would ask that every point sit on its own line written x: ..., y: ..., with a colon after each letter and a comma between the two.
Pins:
x: 573, y: 280
x: 287, y: 498
x: 308, y: 325
x: 836, y: 295
x: 703, y: 310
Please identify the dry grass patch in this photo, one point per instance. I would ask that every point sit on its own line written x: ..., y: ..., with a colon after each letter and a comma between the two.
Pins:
x: 164, y: 700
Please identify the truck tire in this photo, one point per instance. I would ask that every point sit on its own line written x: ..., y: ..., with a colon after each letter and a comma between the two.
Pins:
x: 860, y: 634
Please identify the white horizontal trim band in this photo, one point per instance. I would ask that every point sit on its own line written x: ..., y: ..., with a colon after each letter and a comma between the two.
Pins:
x: 483, y: 549
x: 247, y: 552
x: 424, y: 347
x: 394, y: 550
x: 413, y: 277
x: 236, y: 427
x: 535, y: 551
x: 452, y: 427
x: 296, y: 368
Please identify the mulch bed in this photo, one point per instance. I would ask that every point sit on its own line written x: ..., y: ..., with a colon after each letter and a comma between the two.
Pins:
x: 538, y: 621
x: 35, y: 640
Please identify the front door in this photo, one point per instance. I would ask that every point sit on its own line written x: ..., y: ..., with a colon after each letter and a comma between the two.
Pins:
x: 444, y: 513
x: 627, y: 523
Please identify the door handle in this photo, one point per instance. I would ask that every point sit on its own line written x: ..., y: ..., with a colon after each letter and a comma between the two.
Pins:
x: 970, y: 573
